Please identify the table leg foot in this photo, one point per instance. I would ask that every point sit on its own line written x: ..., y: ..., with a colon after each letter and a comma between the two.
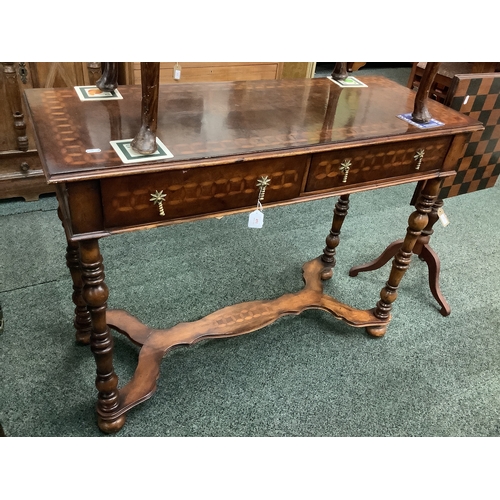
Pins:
x: 111, y: 426
x: 376, y: 331
x: 326, y: 274
x: 445, y: 311
x: 82, y: 339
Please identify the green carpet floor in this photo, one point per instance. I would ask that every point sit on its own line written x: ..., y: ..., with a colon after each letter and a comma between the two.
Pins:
x: 307, y: 375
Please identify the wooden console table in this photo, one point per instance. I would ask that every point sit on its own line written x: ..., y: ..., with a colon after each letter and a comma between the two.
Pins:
x: 310, y: 138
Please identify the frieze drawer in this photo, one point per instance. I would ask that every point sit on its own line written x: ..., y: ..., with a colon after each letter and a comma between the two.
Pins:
x: 157, y: 197
x: 367, y: 164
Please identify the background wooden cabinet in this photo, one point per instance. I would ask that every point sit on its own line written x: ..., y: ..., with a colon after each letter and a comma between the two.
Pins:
x: 208, y: 71
x: 21, y: 173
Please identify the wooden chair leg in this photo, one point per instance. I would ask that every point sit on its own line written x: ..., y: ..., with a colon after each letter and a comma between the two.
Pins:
x: 430, y: 257
x: 380, y: 261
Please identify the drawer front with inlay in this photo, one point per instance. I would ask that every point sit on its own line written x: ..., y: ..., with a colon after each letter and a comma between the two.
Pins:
x: 157, y: 197
x: 348, y: 167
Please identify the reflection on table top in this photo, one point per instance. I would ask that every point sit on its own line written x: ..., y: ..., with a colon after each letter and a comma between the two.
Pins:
x: 205, y: 123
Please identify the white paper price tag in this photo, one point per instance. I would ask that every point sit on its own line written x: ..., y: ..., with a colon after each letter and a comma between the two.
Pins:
x: 256, y: 219
x: 177, y: 71
x: 443, y: 217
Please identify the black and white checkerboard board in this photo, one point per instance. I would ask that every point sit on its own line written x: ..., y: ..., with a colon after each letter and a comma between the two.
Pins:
x: 476, y: 95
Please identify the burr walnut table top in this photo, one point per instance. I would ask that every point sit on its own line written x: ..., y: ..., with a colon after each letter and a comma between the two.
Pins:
x: 216, y: 123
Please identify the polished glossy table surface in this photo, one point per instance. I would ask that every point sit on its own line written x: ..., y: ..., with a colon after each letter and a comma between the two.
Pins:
x: 203, y: 123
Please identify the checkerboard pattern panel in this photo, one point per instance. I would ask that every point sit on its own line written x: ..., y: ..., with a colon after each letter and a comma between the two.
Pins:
x: 479, y: 97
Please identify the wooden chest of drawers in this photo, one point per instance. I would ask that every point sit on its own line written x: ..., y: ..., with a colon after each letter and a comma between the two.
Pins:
x: 21, y: 173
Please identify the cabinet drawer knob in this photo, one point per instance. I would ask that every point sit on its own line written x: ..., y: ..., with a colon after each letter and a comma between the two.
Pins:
x: 158, y: 198
x: 418, y: 157
x: 24, y: 166
x: 344, y: 168
x: 262, y: 184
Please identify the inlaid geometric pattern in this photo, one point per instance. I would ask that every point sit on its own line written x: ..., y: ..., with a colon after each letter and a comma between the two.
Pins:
x: 244, y: 315
x: 69, y: 132
x: 127, y: 200
x: 394, y: 159
x: 214, y: 120
x: 378, y: 162
x: 479, y: 97
x: 137, y: 199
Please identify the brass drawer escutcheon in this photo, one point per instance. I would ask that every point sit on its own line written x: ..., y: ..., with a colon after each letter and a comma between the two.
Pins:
x: 418, y: 157
x: 344, y: 168
x: 158, y: 198
x: 262, y: 183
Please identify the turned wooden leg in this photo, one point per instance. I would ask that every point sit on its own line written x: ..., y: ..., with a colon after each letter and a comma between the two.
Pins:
x: 82, y: 321
x: 333, y: 239
x: 428, y: 231
x: 416, y: 223
x: 95, y: 294
x: 424, y: 252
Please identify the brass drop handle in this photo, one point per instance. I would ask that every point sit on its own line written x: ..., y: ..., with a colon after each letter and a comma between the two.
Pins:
x: 418, y: 157
x: 344, y: 168
x: 158, y: 198
x: 262, y: 184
